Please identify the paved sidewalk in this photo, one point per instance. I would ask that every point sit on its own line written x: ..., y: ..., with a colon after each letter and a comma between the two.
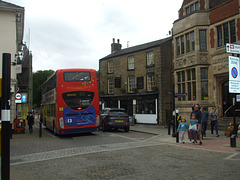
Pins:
x: 210, y: 142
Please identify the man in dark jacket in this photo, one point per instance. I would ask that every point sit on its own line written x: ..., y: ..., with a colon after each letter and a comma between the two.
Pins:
x: 30, y: 119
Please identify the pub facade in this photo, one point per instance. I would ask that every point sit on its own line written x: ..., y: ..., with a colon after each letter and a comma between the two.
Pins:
x: 137, y: 79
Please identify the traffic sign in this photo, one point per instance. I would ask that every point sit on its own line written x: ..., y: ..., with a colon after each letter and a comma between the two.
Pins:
x: 233, y: 48
x: 234, y: 72
x: 234, y: 77
x: 18, y: 96
x: 24, y: 98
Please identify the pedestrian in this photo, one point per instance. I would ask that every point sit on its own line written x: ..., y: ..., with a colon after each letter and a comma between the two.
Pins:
x: 205, y: 117
x: 214, y: 121
x: 30, y: 119
x: 182, y: 127
x: 198, y: 115
x: 193, y: 128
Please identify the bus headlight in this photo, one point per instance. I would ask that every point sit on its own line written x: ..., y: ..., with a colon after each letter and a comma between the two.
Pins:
x: 61, y: 123
x: 97, y: 120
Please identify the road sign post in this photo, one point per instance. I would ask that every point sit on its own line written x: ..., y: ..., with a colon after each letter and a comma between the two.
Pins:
x: 175, y: 113
x: 174, y: 132
x: 234, y: 82
x: 177, y: 123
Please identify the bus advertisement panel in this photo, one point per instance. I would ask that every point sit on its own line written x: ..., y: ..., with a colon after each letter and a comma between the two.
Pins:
x: 71, y: 102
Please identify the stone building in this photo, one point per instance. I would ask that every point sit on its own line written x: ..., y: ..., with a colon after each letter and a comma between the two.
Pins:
x: 138, y: 79
x: 200, y: 60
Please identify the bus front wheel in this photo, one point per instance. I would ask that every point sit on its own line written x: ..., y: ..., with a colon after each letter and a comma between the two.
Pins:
x: 54, y: 130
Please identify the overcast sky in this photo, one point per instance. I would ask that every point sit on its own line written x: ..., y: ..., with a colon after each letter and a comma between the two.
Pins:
x: 77, y: 33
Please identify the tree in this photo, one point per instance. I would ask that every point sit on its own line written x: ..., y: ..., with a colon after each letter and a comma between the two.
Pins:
x: 38, y: 78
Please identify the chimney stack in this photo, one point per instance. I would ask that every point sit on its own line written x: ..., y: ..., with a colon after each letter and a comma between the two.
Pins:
x: 115, y: 46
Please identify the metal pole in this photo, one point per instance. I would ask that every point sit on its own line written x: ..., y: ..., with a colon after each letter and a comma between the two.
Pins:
x: 234, y: 134
x: 177, y: 134
x: 6, y: 79
x: 169, y: 126
x: 174, y: 133
x: 40, y: 128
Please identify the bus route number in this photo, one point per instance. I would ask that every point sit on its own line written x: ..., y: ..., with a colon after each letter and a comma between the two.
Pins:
x: 69, y: 120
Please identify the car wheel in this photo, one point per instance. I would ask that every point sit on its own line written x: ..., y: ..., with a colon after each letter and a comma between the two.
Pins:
x: 126, y: 129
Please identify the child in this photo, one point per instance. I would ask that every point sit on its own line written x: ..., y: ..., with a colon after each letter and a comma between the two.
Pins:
x: 193, y: 129
x: 182, y: 127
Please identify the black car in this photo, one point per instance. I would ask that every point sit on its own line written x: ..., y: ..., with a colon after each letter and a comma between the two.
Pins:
x: 116, y: 118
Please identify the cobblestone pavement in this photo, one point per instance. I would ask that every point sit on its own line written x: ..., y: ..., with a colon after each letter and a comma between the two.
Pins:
x: 61, y: 153
x: 150, y: 161
x: 157, y: 157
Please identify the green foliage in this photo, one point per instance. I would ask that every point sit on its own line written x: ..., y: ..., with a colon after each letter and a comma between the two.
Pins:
x: 38, y: 78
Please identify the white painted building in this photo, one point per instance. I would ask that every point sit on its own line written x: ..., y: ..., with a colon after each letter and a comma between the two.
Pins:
x: 11, y: 36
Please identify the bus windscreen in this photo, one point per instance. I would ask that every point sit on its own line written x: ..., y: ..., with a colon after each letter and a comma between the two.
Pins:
x: 78, y: 100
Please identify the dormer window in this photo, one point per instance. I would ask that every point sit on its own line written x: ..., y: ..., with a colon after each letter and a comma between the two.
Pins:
x: 192, y: 7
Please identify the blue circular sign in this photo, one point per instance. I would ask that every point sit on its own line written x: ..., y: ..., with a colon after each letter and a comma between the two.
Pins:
x: 234, y: 72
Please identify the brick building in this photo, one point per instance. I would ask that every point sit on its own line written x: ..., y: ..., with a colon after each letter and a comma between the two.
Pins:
x: 200, y: 60
x: 137, y: 79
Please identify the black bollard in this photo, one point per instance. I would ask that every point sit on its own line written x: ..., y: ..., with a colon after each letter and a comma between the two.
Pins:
x: 169, y: 126
x: 177, y: 135
x: 40, y: 129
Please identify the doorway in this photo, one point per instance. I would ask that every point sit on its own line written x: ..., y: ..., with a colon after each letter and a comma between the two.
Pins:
x: 128, y: 106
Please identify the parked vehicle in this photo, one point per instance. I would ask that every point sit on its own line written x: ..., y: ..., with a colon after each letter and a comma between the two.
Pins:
x: 116, y: 118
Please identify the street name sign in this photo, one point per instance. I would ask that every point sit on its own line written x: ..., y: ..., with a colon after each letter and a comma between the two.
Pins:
x: 180, y: 94
x: 233, y: 48
x: 234, y: 76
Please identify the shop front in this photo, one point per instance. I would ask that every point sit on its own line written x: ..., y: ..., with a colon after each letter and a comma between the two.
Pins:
x: 144, y: 107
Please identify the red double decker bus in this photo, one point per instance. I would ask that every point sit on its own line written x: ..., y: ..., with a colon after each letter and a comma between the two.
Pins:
x: 70, y: 101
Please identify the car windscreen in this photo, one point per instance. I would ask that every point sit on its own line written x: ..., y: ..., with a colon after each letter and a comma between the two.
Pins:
x: 78, y: 100
x: 77, y: 76
x: 118, y: 112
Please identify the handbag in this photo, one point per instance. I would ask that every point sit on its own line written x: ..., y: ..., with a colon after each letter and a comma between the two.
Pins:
x: 193, y: 127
